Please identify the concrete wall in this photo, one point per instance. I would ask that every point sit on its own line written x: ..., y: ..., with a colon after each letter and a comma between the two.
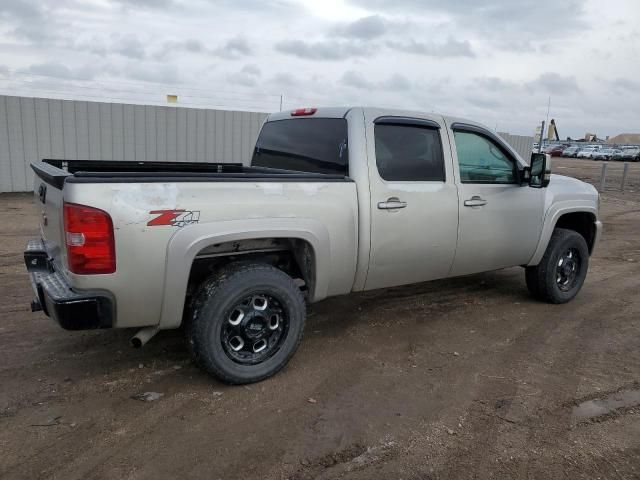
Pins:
x: 35, y: 128
x: 520, y: 143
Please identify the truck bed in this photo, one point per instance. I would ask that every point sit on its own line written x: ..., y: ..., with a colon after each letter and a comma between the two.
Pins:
x: 221, y: 202
x: 56, y: 171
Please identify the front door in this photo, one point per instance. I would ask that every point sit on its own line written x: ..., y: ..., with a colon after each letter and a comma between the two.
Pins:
x: 500, y: 220
x: 414, y: 201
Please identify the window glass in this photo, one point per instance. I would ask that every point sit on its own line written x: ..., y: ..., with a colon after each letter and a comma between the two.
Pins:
x: 409, y: 153
x: 481, y: 160
x: 314, y: 145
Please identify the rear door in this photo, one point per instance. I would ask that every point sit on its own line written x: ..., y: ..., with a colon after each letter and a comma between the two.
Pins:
x: 500, y: 220
x: 414, y: 201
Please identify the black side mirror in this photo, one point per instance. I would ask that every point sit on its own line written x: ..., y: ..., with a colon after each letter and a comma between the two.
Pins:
x: 538, y: 174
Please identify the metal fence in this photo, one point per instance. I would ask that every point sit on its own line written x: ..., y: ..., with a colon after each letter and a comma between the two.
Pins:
x: 35, y: 128
x: 617, y: 177
x: 520, y: 143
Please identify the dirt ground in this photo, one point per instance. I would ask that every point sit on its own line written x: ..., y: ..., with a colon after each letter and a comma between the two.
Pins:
x: 463, y: 378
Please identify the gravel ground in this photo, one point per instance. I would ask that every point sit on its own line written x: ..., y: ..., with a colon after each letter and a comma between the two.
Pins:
x: 462, y: 378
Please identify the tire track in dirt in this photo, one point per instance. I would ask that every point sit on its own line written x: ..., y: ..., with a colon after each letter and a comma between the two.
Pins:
x: 536, y: 420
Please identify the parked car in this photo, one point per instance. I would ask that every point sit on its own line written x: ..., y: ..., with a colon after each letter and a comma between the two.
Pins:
x: 587, y: 152
x: 570, y: 151
x: 336, y: 200
x: 629, y: 154
x: 555, y: 150
x: 604, y: 154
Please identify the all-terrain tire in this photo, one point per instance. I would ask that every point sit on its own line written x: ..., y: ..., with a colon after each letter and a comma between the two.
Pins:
x: 213, y: 306
x: 545, y: 281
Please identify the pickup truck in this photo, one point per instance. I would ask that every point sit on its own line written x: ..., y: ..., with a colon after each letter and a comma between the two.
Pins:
x: 336, y: 200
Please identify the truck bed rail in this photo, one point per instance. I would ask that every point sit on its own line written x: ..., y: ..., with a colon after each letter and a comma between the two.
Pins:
x: 57, y: 172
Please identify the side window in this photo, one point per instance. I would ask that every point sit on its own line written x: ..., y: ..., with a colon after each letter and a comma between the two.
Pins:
x: 409, y: 153
x: 481, y: 160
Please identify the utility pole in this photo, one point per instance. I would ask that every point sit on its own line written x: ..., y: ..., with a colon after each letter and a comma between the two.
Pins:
x: 281, y: 98
x: 548, y: 108
x: 541, y: 137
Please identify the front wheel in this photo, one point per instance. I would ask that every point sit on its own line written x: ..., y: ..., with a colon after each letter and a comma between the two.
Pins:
x: 246, y: 322
x: 560, y: 274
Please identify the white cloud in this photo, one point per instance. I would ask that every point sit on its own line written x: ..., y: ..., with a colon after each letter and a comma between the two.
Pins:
x: 235, y: 47
x: 365, y: 28
x: 324, y: 50
x: 496, y: 61
x: 450, y: 48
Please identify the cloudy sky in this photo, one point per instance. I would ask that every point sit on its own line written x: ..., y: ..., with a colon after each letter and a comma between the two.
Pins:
x: 496, y: 61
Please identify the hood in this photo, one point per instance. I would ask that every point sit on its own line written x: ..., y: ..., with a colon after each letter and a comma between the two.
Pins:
x: 569, y: 188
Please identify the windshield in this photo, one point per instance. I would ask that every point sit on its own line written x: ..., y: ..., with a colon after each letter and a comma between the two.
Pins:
x: 314, y: 145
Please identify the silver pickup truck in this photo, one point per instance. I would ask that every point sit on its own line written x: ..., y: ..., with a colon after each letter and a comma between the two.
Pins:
x: 336, y: 200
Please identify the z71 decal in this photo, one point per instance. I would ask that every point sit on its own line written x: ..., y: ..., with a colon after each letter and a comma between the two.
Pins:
x: 174, y: 218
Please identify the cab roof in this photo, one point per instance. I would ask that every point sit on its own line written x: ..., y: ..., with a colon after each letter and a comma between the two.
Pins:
x: 341, y: 112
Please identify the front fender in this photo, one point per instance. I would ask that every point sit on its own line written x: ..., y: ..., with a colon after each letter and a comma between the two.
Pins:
x: 188, y: 241
x: 554, y: 212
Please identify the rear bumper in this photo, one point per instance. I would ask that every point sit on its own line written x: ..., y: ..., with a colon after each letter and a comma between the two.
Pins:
x: 71, y: 309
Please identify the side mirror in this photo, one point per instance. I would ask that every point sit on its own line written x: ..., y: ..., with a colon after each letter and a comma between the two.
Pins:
x: 538, y: 174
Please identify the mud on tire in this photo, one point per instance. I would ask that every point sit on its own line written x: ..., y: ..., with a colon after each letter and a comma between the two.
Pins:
x: 246, y: 322
x: 561, y: 273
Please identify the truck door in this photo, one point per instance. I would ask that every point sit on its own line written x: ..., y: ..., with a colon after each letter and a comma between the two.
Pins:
x: 414, y: 201
x: 500, y: 220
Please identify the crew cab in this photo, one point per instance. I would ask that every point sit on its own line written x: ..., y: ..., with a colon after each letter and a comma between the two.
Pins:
x: 335, y: 200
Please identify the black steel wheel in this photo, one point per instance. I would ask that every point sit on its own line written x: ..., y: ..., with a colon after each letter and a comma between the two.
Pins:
x: 246, y: 322
x: 561, y: 273
x: 567, y: 269
x: 255, y: 329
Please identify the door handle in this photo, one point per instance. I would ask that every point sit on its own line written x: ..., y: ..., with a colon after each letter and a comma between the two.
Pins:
x: 393, y: 203
x: 475, y: 201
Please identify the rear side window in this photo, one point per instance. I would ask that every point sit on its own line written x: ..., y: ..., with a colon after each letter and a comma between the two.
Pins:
x: 313, y: 145
x: 409, y: 153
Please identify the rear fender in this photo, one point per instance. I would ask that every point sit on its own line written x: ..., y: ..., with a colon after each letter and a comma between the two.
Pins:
x: 188, y: 241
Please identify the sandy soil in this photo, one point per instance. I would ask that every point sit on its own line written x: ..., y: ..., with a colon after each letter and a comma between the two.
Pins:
x: 463, y: 378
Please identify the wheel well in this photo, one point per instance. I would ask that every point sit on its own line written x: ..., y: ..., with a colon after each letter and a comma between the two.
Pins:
x: 581, y: 222
x: 293, y: 256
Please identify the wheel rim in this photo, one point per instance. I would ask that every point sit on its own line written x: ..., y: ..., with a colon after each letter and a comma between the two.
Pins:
x: 568, y: 269
x: 254, y: 329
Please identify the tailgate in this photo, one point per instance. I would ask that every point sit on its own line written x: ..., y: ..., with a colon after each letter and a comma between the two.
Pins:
x: 46, y: 261
x: 48, y: 183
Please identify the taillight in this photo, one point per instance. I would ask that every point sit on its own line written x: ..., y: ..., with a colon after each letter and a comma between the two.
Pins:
x: 303, y: 112
x: 89, y: 238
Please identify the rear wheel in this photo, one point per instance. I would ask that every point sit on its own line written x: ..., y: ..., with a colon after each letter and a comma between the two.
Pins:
x: 246, y: 323
x: 561, y: 273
